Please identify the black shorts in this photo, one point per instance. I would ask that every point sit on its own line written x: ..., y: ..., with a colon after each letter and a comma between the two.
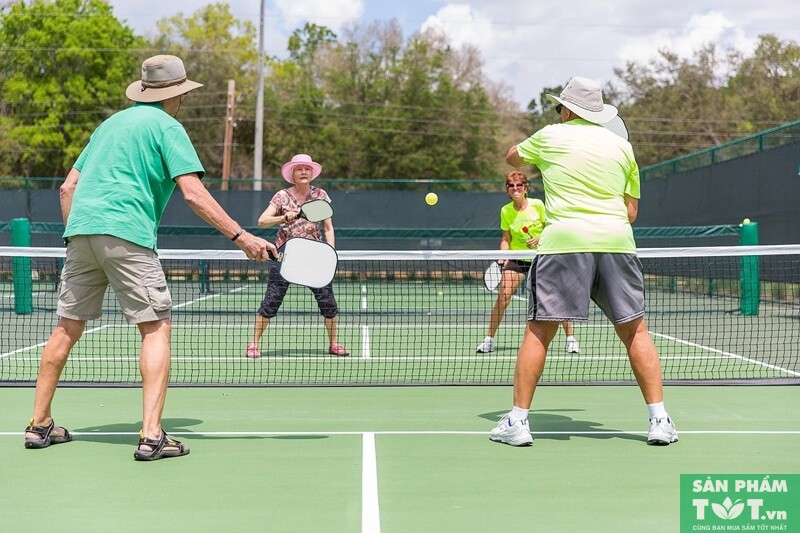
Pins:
x: 276, y: 291
x: 518, y: 265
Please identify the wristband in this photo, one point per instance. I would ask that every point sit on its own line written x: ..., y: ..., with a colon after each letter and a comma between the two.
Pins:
x: 238, y: 234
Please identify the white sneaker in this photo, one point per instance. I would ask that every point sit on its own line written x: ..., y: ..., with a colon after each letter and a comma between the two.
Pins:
x: 486, y: 346
x: 662, y: 432
x: 573, y: 347
x: 516, y: 434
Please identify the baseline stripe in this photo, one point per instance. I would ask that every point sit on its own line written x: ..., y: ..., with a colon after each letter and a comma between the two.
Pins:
x: 370, y: 510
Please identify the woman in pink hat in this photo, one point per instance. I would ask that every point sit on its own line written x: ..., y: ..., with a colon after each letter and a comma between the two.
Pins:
x: 283, y: 209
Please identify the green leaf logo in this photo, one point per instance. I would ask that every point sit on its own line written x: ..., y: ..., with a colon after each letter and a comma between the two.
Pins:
x: 728, y: 510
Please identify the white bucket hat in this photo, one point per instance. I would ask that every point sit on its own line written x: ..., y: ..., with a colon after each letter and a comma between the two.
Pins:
x: 584, y: 97
x: 299, y: 160
x: 162, y: 77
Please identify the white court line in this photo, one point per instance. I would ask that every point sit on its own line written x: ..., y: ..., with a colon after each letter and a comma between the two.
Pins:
x: 365, y: 346
x: 126, y: 326
x: 41, y: 344
x: 730, y: 355
x: 370, y: 510
x: 209, y: 297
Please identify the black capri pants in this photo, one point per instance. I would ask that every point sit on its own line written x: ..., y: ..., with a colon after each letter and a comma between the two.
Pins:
x: 276, y: 291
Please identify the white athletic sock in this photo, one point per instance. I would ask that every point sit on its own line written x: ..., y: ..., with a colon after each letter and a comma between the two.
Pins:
x: 656, y: 410
x: 570, y: 338
x: 517, y: 413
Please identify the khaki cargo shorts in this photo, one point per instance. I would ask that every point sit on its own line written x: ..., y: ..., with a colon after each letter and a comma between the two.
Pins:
x: 96, y: 261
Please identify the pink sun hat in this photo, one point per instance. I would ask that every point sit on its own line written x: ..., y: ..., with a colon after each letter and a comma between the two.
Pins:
x: 298, y: 160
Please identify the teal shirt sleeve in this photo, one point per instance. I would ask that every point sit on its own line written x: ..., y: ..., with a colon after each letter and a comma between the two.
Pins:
x: 180, y: 156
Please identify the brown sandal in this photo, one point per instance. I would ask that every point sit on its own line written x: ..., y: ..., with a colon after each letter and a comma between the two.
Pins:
x: 160, y: 448
x: 45, y: 435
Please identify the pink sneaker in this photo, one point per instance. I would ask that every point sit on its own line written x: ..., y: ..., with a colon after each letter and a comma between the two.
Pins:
x: 252, y: 352
x: 338, y: 349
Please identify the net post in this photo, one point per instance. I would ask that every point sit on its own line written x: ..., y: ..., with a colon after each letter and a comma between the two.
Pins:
x: 205, y: 285
x: 750, y: 294
x: 21, y: 267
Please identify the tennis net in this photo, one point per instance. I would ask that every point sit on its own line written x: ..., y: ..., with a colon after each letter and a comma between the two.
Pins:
x: 717, y: 315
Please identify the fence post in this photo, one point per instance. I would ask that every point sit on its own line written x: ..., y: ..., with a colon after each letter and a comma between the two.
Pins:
x: 750, y: 294
x: 21, y: 268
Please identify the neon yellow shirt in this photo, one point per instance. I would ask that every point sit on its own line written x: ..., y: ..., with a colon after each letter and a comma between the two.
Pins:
x: 522, y: 225
x: 586, y: 171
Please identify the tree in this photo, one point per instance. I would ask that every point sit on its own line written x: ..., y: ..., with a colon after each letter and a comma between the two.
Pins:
x: 65, y: 72
x: 373, y: 105
x: 215, y: 47
x: 766, y: 85
x: 677, y: 105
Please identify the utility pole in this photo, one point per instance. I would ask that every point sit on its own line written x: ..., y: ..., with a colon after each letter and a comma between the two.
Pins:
x: 227, y: 144
x: 258, y: 152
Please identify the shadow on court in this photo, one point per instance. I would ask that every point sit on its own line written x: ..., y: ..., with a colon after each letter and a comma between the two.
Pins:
x: 546, y: 424
x: 123, y: 432
x: 322, y: 352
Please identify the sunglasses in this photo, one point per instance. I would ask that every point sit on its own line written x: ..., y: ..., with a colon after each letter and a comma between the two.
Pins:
x: 515, y: 185
x: 559, y: 107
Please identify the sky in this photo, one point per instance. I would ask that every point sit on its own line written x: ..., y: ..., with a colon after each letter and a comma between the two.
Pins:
x: 526, y: 45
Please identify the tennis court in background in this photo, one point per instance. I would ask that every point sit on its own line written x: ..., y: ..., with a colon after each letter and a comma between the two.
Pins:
x: 277, y: 456
x: 378, y: 333
x: 415, y: 318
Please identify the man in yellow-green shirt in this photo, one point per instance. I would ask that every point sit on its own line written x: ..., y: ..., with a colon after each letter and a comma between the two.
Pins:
x: 586, y: 251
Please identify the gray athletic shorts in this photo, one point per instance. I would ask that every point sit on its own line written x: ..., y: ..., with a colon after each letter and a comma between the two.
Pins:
x: 96, y: 261
x: 561, y: 285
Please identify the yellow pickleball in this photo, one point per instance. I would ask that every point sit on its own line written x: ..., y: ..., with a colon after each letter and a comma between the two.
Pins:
x: 431, y: 198
x: 746, y: 221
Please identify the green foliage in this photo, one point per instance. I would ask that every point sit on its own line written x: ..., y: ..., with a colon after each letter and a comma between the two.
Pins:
x: 370, y: 103
x: 215, y: 47
x: 767, y: 84
x: 374, y: 105
x: 306, y: 41
x: 8, y: 148
x: 65, y: 72
x: 676, y: 106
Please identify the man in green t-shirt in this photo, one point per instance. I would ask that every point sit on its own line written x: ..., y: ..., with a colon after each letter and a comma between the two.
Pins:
x: 112, y: 202
x: 586, y: 251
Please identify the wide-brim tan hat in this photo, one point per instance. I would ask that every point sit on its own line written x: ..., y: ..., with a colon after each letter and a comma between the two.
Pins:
x: 584, y: 97
x: 163, y: 77
x: 298, y: 160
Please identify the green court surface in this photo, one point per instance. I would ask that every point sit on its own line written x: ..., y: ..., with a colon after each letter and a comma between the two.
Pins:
x: 390, y: 459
